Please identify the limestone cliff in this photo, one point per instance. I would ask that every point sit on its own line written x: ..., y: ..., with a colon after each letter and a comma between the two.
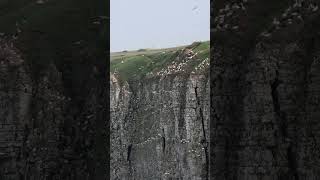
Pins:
x: 159, y: 123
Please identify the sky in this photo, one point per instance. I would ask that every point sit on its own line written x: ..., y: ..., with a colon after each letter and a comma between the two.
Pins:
x: 138, y: 24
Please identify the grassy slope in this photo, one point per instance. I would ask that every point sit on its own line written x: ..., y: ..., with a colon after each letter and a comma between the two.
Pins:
x: 135, y: 64
x: 116, y: 55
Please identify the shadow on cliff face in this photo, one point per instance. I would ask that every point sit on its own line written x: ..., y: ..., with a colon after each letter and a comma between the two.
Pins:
x: 66, y: 41
x: 273, y: 48
x: 70, y: 34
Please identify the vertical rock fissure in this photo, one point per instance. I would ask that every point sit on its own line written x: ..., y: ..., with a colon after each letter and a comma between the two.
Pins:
x: 129, y: 152
x: 181, y: 123
x: 163, y: 141
x: 204, y: 140
x: 34, y: 102
x: 291, y: 158
x: 276, y: 105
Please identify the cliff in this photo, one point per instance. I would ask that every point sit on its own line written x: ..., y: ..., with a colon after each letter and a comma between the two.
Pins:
x: 53, y: 91
x: 264, y: 90
x: 159, y: 121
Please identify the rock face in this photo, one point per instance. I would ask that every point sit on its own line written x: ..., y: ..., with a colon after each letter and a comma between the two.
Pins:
x: 160, y: 114
x: 53, y: 90
x: 264, y: 118
x: 159, y: 127
x: 45, y: 132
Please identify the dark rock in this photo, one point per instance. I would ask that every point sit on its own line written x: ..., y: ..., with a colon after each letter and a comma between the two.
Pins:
x: 264, y: 116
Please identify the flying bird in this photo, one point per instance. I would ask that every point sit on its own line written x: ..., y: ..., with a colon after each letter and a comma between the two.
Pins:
x: 194, y: 8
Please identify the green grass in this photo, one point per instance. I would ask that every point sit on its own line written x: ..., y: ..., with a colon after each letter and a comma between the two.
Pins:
x: 130, y: 67
x: 135, y: 64
x: 202, y: 46
x: 116, y: 55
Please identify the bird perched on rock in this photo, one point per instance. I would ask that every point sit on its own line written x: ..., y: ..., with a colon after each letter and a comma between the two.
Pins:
x: 314, y: 8
x: 297, y: 4
x: 95, y: 71
x: 103, y: 17
x: 265, y: 34
x: 242, y: 7
x: 216, y: 19
x: 275, y: 22
x: 288, y: 10
x: 235, y: 27
x: 221, y: 20
x: 40, y: 2
x: 235, y: 6
x: 229, y: 13
x: 284, y: 15
x: 300, y: 17
x: 227, y: 8
x: 96, y: 22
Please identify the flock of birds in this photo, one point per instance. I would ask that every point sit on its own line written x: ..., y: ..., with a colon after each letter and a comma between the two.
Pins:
x: 9, y: 55
x: 294, y: 13
x: 204, y: 64
x: 179, y: 64
x: 226, y: 13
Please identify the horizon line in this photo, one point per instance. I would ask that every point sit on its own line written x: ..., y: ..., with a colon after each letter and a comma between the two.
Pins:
x: 159, y: 48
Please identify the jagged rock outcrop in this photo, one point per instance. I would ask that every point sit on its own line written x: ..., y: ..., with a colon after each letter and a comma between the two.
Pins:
x: 264, y: 90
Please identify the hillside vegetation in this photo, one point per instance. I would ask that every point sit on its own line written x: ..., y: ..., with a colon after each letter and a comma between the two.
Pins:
x: 150, y: 62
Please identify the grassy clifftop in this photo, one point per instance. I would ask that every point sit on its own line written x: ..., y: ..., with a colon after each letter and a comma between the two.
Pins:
x: 151, y: 62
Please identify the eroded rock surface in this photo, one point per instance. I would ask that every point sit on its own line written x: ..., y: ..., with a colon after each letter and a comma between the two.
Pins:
x: 159, y: 127
x: 46, y: 132
x: 264, y: 96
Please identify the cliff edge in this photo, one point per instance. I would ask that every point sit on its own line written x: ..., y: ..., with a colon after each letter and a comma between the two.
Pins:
x: 159, y: 115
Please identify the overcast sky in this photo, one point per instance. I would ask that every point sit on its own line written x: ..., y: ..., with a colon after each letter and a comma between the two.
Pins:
x: 137, y: 24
